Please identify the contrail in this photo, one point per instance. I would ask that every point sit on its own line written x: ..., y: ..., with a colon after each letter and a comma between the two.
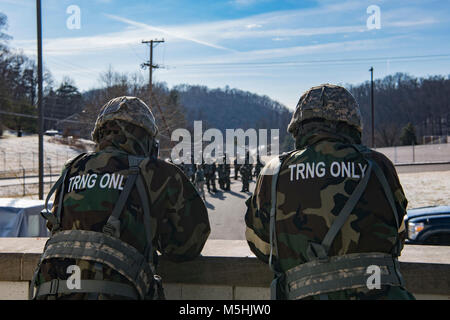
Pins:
x: 149, y: 27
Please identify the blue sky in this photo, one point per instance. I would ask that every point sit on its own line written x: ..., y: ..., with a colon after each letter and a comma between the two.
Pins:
x: 279, y: 48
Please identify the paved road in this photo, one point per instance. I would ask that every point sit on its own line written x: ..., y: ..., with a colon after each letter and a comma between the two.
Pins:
x: 227, y: 210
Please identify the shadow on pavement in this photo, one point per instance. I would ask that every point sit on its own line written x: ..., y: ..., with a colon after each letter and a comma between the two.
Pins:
x: 218, y: 195
x: 209, y: 205
x: 236, y: 194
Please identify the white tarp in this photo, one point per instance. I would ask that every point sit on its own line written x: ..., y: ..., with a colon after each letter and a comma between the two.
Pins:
x: 21, y: 218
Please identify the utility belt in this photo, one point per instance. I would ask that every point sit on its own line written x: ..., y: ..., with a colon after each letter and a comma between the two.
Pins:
x: 340, y: 273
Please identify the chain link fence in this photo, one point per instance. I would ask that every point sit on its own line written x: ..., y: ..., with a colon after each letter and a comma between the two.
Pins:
x: 418, y: 154
x: 19, y: 171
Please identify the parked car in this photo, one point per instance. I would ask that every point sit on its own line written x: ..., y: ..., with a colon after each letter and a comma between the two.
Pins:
x: 429, y: 225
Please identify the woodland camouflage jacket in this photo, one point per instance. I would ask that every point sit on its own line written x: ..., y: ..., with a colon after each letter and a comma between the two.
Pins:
x: 314, y: 183
x: 179, y: 218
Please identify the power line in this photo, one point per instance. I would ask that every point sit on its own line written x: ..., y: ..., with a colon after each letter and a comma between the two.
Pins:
x: 45, y: 118
x: 84, y: 72
x: 307, y: 62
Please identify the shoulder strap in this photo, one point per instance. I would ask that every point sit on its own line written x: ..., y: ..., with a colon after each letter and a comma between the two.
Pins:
x: 45, y: 213
x: 273, y: 210
x: 387, y: 191
x: 390, y: 197
x: 321, y: 251
x: 148, y: 230
x: 272, y: 230
x: 112, y: 226
x: 272, y: 222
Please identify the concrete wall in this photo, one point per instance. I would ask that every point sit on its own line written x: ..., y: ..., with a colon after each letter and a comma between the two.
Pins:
x: 227, y: 270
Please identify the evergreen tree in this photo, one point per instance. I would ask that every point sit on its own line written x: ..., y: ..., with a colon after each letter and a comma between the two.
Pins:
x: 408, y: 136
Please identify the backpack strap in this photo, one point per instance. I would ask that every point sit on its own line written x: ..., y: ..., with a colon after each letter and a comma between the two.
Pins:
x: 93, y: 242
x: 112, y: 226
x: 148, y: 230
x: 55, y: 220
x: 320, y: 251
x: 387, y: 191
x: 272, y: 224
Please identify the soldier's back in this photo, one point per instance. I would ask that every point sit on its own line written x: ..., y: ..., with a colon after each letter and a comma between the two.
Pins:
x: 313, y: 186
x: 93, y: 185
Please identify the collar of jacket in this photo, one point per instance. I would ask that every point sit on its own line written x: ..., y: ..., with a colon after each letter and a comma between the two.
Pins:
x: 322, y: 133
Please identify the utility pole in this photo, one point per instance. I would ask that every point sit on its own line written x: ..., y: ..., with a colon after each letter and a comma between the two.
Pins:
x: 40, y: 110
x: 150, y: 64
x: 372, y: 105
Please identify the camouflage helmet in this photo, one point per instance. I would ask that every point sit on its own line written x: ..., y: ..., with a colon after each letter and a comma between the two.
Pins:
x: 328, y: 102
x: 129, y: 109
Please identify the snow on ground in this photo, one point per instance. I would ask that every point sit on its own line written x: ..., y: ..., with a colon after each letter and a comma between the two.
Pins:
x: 16, y: 153
x: 421, y: 188
x: 426, y: 188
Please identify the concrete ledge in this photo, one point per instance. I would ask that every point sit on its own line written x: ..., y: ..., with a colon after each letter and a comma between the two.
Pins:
x: 228, y: 270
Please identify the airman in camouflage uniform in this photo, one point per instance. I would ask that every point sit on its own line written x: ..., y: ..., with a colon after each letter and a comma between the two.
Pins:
x: 177, y: 225
x: 237, y: 167
x: 322, y: 214
x: 246, y: 173
x: 210, y: 175
x: 224, y: 174
x: 200, y: 181
x: 258, y: 166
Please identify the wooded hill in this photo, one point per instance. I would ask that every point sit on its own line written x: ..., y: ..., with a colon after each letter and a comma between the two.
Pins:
x: 233, y: 108
x: 400, y: 99
x: 406, y: 108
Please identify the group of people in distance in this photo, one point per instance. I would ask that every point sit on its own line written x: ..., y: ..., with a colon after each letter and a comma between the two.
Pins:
x: 205, y: 173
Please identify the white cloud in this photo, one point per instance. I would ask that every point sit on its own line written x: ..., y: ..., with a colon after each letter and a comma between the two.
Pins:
x: 277, y: 26
x: 253, y: 26
x: 173, y: 33
x: 279, y: 39
x: 412, y: 23
x: 266, y: 57
x: 87, y: 44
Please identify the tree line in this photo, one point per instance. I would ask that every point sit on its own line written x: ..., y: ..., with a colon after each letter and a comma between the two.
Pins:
x: 406, y: 108
x: 65, y: 107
